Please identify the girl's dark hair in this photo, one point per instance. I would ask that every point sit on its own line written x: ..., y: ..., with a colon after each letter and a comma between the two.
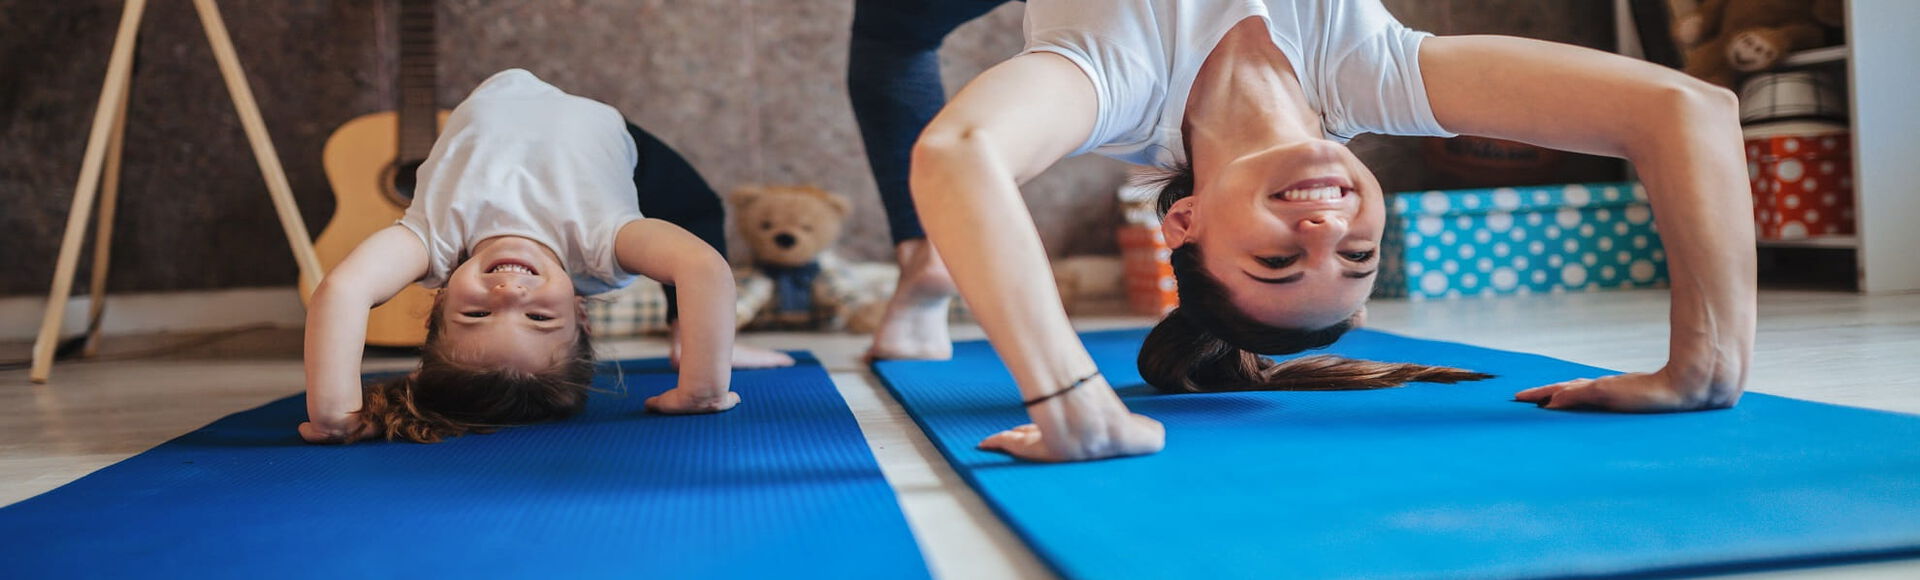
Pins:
x: 1207, y: 344
x: 448, y: 398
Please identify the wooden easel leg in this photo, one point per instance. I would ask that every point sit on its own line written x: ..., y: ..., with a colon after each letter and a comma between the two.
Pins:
x: 103, y: 228
x: 119, y: 73
x: 263, y: 151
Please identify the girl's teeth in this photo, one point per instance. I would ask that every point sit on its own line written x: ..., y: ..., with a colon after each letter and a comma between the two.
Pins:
x: 513, y: 268
x: 1312, y: 194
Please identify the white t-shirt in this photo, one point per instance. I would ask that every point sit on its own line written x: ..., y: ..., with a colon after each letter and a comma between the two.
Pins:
x: 522, y: 158
x: 1359, y: 66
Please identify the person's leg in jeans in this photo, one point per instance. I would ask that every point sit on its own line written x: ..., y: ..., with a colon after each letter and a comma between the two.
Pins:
x: 670, y: 190
x: 893, y: 75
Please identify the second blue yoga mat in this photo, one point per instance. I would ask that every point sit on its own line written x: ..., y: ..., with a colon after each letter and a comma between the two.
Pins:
x: 782, y: 486
x: 1432, y: 481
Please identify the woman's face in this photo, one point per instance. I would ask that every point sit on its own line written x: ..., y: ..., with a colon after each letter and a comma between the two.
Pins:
x: 510, y: 304
x: 1292, y: 232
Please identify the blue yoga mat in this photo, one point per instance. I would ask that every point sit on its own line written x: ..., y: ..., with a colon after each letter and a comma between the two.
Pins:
x: 782, y: 485
x: 1432, y: 480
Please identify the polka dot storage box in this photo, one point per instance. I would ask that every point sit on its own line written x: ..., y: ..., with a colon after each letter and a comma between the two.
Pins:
x: 1802, y: 180
x: 1520, y: 240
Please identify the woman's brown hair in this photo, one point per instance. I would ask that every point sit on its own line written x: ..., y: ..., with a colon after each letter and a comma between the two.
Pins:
x: 448, y: 398
x: 1206, y: 344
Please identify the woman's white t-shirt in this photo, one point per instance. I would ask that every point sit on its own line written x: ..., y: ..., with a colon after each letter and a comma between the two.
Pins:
x: 1359, y: 66
x: 522, y: 158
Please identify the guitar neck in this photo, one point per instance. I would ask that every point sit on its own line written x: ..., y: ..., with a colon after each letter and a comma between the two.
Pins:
x: 417, y: 80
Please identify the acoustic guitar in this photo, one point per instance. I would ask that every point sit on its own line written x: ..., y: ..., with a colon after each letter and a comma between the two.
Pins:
x: 371, y: 161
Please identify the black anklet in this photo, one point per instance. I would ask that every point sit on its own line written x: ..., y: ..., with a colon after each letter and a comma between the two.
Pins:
x: 1075, y: 385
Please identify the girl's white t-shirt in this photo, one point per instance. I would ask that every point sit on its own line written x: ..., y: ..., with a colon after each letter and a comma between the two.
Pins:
x: 522, y: 158
x: 1359, y: 66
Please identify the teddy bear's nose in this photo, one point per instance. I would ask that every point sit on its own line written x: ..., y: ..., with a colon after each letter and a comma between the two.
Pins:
x: 784, y: 240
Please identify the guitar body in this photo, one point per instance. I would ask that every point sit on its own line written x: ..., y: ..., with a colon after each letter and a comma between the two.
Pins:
x: 361, y: 160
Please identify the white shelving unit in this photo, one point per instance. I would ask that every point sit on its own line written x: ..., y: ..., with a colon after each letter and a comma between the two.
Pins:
x: 1827, y: 242
x: 1883, y: 87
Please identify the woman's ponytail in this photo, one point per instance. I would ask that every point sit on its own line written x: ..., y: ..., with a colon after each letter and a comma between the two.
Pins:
x: 1182, y: 357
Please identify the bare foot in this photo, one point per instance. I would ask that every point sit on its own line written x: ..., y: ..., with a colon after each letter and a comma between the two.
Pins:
x: 753, y: 357
x: 915, y: 325
x: 744, y: 356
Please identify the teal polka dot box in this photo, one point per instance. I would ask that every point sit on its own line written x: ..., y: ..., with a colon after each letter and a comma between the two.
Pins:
x: 1520, y: 240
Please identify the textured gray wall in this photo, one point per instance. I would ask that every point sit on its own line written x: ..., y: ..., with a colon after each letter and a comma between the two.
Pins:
x: 752, y: 91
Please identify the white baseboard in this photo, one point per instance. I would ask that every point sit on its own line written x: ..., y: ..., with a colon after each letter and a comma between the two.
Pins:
x: 159, y: 312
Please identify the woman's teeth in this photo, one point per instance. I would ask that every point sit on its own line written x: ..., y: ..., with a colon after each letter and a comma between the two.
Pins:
x: 1313, y: 193
x: 514, y: 268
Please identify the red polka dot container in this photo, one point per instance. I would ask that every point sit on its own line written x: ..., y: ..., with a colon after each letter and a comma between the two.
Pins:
x: 1802, y: 185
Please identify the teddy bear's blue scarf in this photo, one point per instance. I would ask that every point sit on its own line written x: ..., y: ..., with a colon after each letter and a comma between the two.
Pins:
x: 793, y: 286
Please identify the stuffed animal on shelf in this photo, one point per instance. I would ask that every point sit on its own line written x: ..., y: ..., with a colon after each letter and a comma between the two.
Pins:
x: 1724, y: 39
x: 794, y: 281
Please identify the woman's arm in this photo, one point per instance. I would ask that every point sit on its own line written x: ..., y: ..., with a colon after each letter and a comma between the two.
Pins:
x: 1006, y: 126
x: 377, y: 269
x: 1683, y: 137
x: 665, y: 252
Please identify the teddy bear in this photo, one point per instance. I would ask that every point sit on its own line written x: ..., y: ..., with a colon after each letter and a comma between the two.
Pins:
x: 1726, y: 38
x: 794, y: 280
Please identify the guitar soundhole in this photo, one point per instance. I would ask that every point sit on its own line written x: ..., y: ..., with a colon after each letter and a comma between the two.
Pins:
x: 401, y: 179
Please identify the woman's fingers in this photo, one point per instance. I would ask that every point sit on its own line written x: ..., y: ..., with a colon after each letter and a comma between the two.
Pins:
x: 1586, y: 395
x: 1540, y: 395
x: 1630, y: 393
x: 1023, y: 442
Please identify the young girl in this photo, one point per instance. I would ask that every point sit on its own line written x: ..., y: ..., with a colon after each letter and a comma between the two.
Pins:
x: 1276, y: 225
x: 530, y: 200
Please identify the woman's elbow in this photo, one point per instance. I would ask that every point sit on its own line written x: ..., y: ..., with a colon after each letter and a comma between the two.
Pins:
x: 1694, y: 99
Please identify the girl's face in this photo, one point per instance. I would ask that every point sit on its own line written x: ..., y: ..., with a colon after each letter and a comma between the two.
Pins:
x: 1292, y: 232
x: 511, y: 304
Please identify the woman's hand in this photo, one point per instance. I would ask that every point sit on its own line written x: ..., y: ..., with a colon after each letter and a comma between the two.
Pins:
x: 680, y: 401
x: 344, y: 430
x: 1656, y: 392
x: 1127, y: 434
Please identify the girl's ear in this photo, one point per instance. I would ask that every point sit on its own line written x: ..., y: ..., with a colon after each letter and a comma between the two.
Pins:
x: 1177, y: 225
x: 580, y: 311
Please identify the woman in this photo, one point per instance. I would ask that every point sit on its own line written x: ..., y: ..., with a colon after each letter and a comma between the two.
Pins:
x: 1248, y: 104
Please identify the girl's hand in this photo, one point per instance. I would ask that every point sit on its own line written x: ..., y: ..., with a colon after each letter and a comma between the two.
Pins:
x: 1133, y: 434
x: 680, y: 401
x: 1632, y: 393
x: 349, y: 429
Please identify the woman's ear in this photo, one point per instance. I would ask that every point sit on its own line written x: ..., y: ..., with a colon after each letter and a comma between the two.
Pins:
x: 1360, y: 317
x: 1178, y: 223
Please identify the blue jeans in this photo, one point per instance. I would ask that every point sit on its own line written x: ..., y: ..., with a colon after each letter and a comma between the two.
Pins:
x: 893, y: 75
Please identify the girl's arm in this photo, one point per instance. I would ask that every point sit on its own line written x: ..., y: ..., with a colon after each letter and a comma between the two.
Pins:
x: 1683, y: 136
x: 1007, y: 125
x: 665, y: 252
x: 377, y: 269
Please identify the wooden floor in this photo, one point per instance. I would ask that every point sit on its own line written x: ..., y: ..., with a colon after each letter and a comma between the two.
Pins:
x: 1824, y: 346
